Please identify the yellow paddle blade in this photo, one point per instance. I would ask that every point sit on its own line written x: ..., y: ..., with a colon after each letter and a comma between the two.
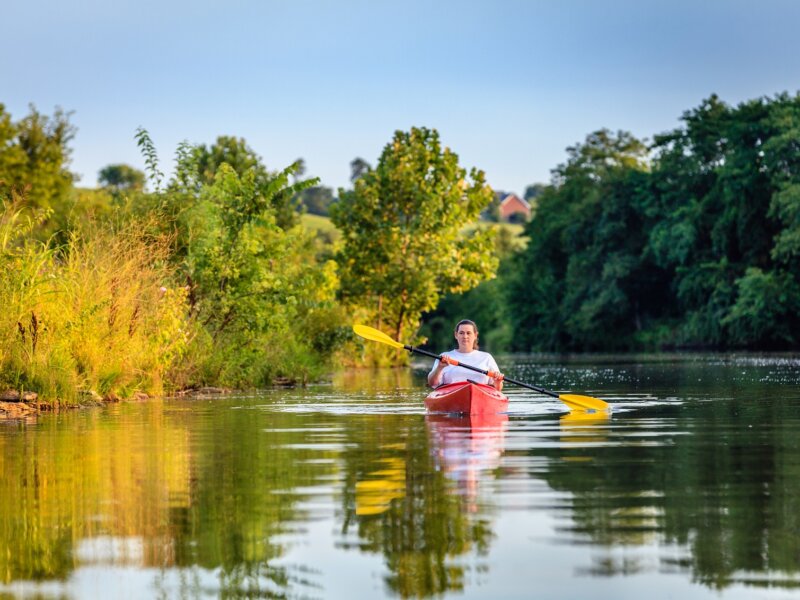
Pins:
x: 369, y: 333
x: 579, y: 418
x: 577, y: 402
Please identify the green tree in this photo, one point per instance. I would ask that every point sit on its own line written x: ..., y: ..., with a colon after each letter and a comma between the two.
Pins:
x: 533, y: 191
x: 782, y: 161
x: 358, y: 167
x: 35, y: 155
x: 121, y: 178
x: 229, y: 150
x: 317, y: 199
x: 582, y: 282
x: 403, y: 240
x: 256, y: 285
x: 695, y: 245
x: 724, y: 186
x: 485, y: 304
x: 236, y: 153
x: 263, y: 304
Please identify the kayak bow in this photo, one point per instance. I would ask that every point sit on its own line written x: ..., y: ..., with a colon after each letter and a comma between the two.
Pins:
x: 466, y: 397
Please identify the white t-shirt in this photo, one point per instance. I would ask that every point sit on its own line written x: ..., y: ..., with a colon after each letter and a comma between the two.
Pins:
x: 476, y: 358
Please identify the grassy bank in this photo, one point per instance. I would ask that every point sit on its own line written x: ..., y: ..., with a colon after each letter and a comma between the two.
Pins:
x: 177, y: 291
x: 93, y: 315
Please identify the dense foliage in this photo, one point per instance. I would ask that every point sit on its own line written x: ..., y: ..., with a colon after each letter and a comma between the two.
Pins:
x: 202, y: 281
x: 234, y: 152
x: 34, y: 156
x: 402, y: 230
x: 263, y: 306
x: 693, y: 241
x: 483, y: 304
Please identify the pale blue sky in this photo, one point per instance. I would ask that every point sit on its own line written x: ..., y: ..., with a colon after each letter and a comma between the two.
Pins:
x: 508, y: 84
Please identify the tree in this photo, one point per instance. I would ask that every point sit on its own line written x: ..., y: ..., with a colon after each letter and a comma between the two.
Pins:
x: 317, y: 199
x: 582, y: 282
x: 403, y: 232
x: 121, y: 178
x: 34, y: 157
x: 533, y: 191
x: 229, y: 150
x: 485, y: 304
x: 358, y: 167
x: 723, y: 186
x: 696, y: 243
x: 782, y: 159
x: 235, y: 153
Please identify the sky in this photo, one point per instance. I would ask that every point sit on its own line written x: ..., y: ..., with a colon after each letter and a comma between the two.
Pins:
x: 508, y: 84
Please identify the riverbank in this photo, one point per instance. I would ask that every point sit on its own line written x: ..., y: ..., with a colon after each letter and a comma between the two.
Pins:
x: 16, y: 405
x: 18, y: 410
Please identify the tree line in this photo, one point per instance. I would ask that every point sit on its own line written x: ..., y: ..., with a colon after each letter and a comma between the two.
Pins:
x: 692, y: 240
x: 205, y: 277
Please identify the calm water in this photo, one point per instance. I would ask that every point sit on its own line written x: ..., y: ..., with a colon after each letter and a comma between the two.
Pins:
x: 690, y: 489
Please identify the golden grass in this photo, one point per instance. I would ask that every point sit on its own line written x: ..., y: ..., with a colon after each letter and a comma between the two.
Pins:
x: 98, y: 315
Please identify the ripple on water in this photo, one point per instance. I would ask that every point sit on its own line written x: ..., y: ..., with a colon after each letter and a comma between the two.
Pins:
x: 521, y: 403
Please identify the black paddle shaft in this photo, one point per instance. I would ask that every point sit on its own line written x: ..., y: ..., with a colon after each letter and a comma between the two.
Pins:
x: 477, y: 370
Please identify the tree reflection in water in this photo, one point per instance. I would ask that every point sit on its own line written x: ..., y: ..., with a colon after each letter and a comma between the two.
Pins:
x: 225, y: 497
x: 465, y: 448
x: 714, y: 486
x: 415, y: 499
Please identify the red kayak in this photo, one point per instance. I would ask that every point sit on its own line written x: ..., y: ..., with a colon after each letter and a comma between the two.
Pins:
x: 467, y: 398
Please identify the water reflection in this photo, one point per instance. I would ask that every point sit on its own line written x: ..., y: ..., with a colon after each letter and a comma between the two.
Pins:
x: 149, y: 487
x: 718, y: 492
x: 374, y: 380
x: 374, y: 493
x: 349, y: 490
x: 582, y: 428
x: 436, y: 531
x: 467, y: 449
x: 403, y: 504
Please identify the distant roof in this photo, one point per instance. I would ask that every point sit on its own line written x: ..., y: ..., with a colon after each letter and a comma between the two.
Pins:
x: 512, y: 197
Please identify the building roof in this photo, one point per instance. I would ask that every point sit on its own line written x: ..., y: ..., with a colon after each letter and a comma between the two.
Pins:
x: 512, y: 204
x: 510, y: 198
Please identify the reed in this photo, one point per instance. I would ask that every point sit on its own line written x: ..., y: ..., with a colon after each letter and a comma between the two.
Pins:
x: 97, y: 314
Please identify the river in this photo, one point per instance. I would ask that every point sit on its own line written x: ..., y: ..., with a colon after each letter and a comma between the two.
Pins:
x: 689, y: 489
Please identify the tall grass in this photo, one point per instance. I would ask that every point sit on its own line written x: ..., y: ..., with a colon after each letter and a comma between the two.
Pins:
x: 94, y: 315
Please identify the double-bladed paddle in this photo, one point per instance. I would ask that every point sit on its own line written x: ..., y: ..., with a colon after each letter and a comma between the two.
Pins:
x: 574, y: 401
